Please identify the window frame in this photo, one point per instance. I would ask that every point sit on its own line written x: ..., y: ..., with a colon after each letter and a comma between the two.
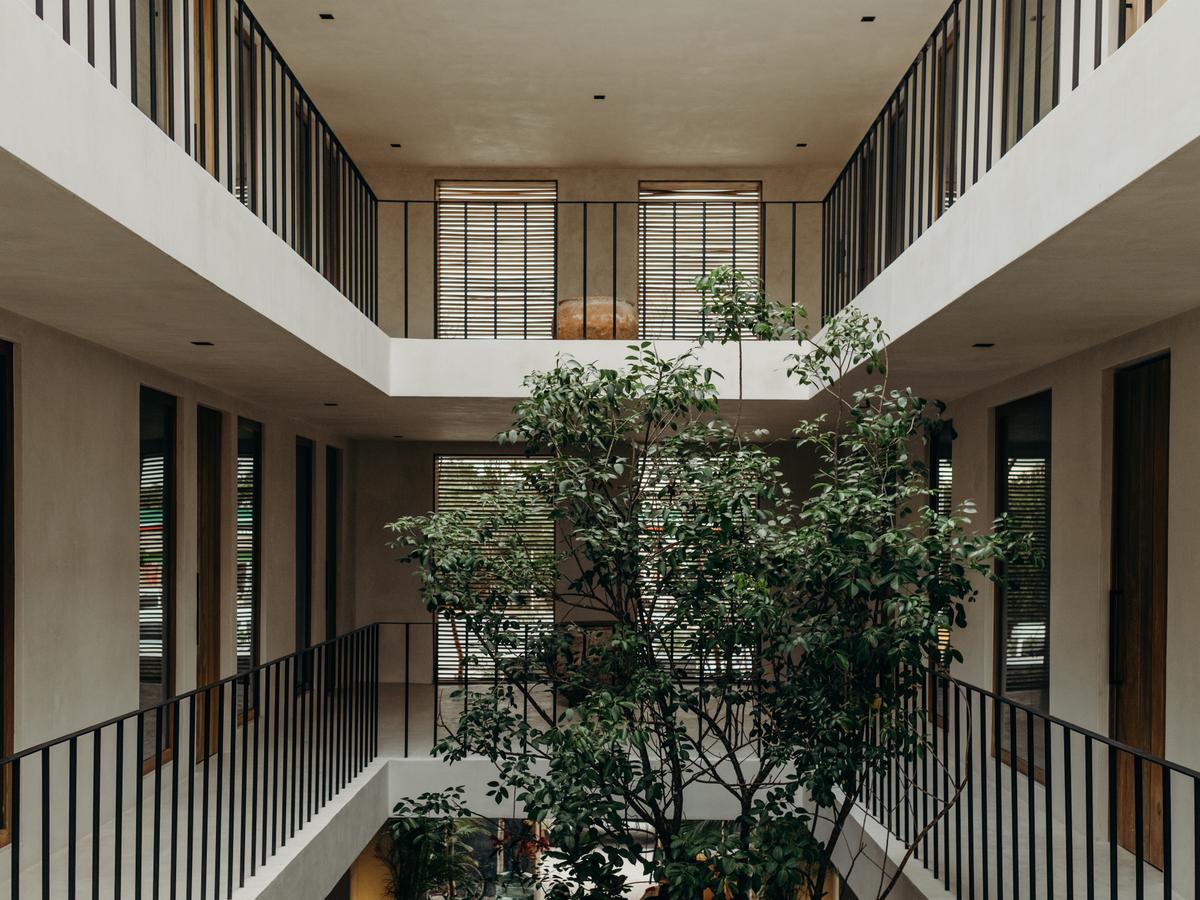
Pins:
x: 686, y: 325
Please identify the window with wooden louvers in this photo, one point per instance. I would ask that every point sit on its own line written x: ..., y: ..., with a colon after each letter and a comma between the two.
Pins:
x: 685, y: 230
x: 249, y: 543
x: 460, y: 483
x: 156, y: 554
x: 496, y: 258
x: 665, y: 497
x: 1023, y: 493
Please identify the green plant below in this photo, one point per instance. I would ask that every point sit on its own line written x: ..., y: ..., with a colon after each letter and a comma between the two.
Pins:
x: 426, y: 848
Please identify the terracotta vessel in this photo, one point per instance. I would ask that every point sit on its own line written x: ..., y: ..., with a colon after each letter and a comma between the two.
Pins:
x: 599, y: 319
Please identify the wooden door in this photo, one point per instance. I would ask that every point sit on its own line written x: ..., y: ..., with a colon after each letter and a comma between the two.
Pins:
x: 209, y: 440
x: 1138, y: 595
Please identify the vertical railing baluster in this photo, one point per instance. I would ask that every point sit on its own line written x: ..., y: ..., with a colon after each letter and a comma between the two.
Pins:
x: 1068, y: 813
x: 176, y: 759
x: 118, y: 808
x: 1112, y: 822
x: 139, y: 775
x: 1031, y: 786
x: 958, y: 785
x: 233, y: 719
x: 997, y: 753
x: 277, y: 677
x: 1089, y: 842
x: 1165, y: 774
x: 205, y: 752
x: 155, y: 841
x: 72, y: 822
x: 189, y: 861
x: 1139, y: 829
x: 14, y: 835
x: 44, y: 759
x: 983, y: 797
x: 97, y: 758
x: 245, y: 780
x: 1048, y: 790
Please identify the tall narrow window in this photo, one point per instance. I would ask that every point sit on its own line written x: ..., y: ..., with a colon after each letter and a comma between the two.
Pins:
x: 333, y: 534
x: 7, y: 528
x: 459, y: 484
x: 685, y: 230
x: 941, y: 470
x: 496, y: 255
x: 249, y: 544
x: 1023, y: 492
x: 304, y: 542
x: 156, y: 553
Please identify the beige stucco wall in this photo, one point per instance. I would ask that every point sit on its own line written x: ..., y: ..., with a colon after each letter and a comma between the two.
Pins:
x: 1080, y: 527
x: 76, y: 500
x: 598, y: 184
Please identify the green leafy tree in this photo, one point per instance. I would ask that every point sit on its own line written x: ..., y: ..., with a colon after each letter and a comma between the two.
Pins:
x: 763, y: 645
x: 426, y: 848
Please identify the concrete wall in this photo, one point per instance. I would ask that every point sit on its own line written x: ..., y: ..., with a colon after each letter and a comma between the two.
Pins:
x: 76, y: 492
x: 597, y: 184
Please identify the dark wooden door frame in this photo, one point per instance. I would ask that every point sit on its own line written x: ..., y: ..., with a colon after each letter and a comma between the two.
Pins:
x: 1138, y: 589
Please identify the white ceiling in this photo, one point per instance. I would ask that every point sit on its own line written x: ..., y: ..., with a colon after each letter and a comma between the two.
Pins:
x: 510, y: 82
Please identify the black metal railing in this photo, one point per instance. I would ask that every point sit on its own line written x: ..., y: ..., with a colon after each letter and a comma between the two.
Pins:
x: 1010, y: 801
x: 112, y: 810
x: 989, y: 72
x: 210, y: 77
x: 505, y: 268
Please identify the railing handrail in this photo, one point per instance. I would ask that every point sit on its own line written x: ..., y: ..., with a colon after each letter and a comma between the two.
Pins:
x: 1080, y: 730
x: 177, y: 699
x: 665, y: 201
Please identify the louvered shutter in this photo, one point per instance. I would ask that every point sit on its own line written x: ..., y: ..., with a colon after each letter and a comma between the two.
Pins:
x: 460, y: 483
x: 248, y: 543
x: 156, y: 502
x: 152, y: 567
x: 1023, y: 433
x: 496, y: 251
x: 685, y: 230
x: 941, y: 471
x: 658, y: 504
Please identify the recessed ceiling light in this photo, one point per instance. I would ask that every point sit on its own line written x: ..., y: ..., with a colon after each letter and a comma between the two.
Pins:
x: 202, y: 343
x: 983, y: 345
x: 599, y: 96
x: 801, y: 146
x: 397, y: 146
x: 326, y: 16
x: 864, y: 18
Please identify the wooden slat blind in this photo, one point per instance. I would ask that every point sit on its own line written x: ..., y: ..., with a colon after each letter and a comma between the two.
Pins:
x: 496, y: 259
x: 155, y: 510
x: 248, y: 541
x: 685, y: 230
x: 664, y: 498
x: 1023, y: 435
x: 460, y: 482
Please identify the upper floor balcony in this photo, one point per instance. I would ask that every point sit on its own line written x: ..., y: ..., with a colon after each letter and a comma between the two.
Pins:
x: 1004, y: 104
